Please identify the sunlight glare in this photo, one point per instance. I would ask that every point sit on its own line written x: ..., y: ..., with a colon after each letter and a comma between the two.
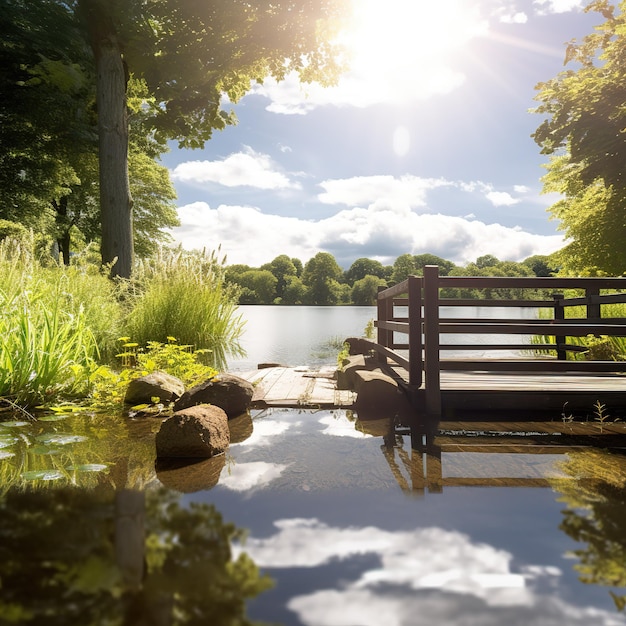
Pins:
x: 399, y: 41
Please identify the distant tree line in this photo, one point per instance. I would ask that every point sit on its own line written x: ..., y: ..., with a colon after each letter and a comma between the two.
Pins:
x: 321, y: 281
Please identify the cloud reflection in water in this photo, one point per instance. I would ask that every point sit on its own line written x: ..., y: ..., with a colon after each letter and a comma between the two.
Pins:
x: 426, y: 576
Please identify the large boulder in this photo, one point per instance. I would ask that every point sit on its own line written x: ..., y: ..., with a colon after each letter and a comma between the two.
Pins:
x: 231, y: 393
x: 195, y: 432
x: 159, y: 385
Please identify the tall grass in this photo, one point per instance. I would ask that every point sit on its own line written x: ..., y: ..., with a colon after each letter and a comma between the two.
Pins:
x: 604, y: 348
x: 56, y: 321
x: 52, y: 322
x: 183, y: 295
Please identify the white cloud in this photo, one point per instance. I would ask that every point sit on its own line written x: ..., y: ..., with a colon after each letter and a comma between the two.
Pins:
x: 340, y: 426
x: 245, y: 169
x: 381, y: 231
x: 426, y: 576
x: 247, y: 476
x: 407, y: 190
x: 518, y: 17
x: 265, y: 429
x: 545, y: 7
x: 501, y: 198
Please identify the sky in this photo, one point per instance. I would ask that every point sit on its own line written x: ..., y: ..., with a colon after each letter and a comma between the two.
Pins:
x: 424, y: 145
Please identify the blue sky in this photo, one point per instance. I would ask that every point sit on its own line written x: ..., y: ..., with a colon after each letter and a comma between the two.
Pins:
x: 424, y: 145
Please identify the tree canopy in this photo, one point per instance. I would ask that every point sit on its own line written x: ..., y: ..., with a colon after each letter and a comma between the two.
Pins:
x: 192, y: 56
x: 584, y: 135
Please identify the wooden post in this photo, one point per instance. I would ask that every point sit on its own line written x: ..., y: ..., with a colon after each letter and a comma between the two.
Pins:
x: 382, y: 314
x: 415, y: 331
x: 431, y: 340
x: 594, y: 310
x: 559, y: 315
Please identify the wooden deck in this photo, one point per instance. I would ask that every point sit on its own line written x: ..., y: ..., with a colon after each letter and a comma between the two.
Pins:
x: 465, y: 395
x: 297, y: 387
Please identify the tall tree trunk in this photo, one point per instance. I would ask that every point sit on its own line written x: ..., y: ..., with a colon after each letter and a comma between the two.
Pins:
x: 115, y: 198
x: 63, y: 229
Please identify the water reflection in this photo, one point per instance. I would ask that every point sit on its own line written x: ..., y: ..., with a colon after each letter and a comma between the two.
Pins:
x: 323, y: 499
x: 594, y: 491
x: 74, y: 556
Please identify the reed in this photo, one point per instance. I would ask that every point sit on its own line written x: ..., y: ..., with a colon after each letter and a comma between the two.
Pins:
x: 184, y: 295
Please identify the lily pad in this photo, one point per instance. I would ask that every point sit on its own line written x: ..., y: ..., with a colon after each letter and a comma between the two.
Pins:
x: 44, y: 450
x: 88, y: 467
x: 43, y: 475
x: 7, y: 440
x: 60, y: 439
x: 14, y: 424
x: 53, y: 418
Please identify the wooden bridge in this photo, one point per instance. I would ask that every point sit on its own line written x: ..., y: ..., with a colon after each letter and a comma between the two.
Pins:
x: 416, y: 331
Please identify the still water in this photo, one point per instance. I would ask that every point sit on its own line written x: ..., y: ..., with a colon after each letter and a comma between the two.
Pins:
x: 311, y: 518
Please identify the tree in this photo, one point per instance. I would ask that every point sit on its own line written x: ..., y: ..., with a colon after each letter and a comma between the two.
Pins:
x: 583, y: 134
x: 365, y: 289
x: 259, y: 287
x: 421, y: 260
x: 403, y: 267
x: 487, y: 260
x: 281, y: 267
x: 541, y: 265
x: 364, y: 267
x: 190, y: 55
x: 321, y: 276
x: 46, y: 107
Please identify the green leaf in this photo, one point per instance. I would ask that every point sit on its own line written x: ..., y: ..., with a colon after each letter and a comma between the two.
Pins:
x: 43, y: 475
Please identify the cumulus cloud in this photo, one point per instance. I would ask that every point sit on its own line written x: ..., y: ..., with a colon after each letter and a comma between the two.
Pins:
x: 501, y: 198
x: 380, y: 231
x: 240, y: 169
x: 425, y: 576
x: 248, y: 476
x: 409, y: 191
x: 545, y: 7
x: 519, y: 17
x: 340, y: 428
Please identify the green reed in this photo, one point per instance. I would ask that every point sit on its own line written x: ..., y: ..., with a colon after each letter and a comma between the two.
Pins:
x: 184, y: 295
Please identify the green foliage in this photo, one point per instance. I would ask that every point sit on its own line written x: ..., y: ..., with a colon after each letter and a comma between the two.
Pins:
x: 321, y: 276
x: 184, y: 295
x: 593, y: 488
x: 108, y: 386
x: 364, y: 291
x: 48, y: 331
x: 583, y: 134
x: 366, y: 267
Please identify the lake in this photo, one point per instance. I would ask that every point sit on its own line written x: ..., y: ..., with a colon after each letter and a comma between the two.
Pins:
x: 311, y: 518
x: 312, y: 335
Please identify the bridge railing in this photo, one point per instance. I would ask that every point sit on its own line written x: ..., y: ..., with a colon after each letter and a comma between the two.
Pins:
x: 413, y: 309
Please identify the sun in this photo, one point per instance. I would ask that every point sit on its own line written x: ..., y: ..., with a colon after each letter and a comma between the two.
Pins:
x: 398, y: 39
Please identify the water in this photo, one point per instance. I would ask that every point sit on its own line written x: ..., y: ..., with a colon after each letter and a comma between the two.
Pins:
x: 349, y: 525
x: 298, y: 335
x: 312, y: 335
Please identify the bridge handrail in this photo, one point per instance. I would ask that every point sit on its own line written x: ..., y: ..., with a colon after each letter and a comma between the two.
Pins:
x: 424, y: 323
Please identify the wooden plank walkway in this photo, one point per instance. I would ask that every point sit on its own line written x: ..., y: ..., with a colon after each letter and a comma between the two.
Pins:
x: 297, y: 387
x: 462, y: 392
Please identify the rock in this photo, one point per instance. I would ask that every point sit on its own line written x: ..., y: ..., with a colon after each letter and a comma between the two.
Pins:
x: 196, y: 432
x: 358, y: 345
x: 345, y: 374
x: 379, y: 396
x: 158, y: 384
x: 231, y: 393
x: 188, y: 476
